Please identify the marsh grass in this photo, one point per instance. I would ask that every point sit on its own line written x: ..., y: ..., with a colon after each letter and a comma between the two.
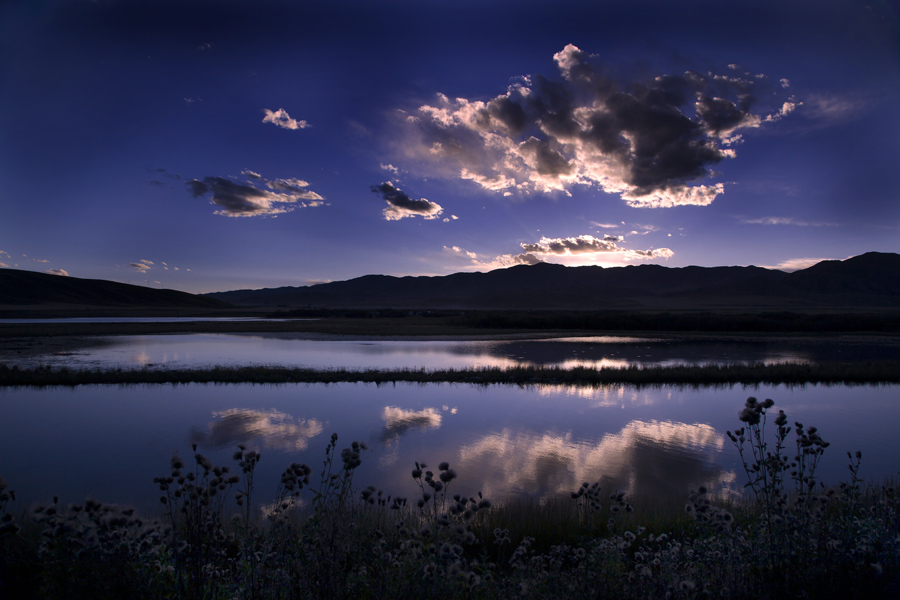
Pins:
x: 844, y: 373
x: 322, y: 536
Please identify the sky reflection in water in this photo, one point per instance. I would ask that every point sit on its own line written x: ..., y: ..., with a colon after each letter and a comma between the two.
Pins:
x: 542, y: 440
x: 204, y: 350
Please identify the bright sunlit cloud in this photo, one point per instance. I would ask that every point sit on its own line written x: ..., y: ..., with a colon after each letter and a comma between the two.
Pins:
x: 646, y: 141
x: 571, y: 251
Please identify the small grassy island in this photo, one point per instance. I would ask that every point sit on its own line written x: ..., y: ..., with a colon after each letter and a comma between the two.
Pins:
x: 871, y: 372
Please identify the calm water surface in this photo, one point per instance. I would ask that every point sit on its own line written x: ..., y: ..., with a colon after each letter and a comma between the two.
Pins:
x: 204, y: 350
x: 111, y: 441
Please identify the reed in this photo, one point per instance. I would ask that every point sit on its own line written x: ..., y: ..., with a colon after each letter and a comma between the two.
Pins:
x: 842, y: 373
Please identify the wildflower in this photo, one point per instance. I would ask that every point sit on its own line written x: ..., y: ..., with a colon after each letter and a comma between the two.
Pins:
x: 749, y: 416
x: 686, y: 586
x: 781, y: 419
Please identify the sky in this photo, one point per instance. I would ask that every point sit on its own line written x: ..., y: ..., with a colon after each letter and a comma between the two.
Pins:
x: 212, y: 145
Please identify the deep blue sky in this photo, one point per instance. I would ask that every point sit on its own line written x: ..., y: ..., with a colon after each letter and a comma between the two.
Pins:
x: 211, y: 145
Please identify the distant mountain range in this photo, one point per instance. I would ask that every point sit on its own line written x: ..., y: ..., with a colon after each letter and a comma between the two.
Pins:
x: 27, y: 288
x: 868, y: 280
x: 871, y: 280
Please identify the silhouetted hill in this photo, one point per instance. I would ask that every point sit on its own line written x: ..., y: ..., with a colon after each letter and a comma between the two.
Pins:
x: 869, y: 280
x: 27, y: 288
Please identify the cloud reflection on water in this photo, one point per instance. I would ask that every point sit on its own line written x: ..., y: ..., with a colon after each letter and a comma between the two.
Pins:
x: 601, y: 395
x: 649, y: 459
x: 398, y: 421
x: 272, y: 429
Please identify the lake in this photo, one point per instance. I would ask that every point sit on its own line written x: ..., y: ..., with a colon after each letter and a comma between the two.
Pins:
x: 306, y: 350
x: 541, y: 440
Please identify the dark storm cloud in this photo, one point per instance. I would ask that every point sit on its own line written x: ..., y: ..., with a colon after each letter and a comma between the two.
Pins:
x: 256, y: 196
x: 400, y: 205
x: 645, y: 140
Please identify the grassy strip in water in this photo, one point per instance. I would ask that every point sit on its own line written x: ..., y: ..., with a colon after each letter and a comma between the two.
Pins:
x: 321, y: 537
x: 872, y: 372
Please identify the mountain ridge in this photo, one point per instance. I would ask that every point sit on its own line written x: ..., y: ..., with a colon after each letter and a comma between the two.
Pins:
x: 868, y: 280
x: 29, y: 288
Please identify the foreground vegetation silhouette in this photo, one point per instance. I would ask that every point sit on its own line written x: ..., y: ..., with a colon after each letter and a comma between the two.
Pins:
x: 320, y: 536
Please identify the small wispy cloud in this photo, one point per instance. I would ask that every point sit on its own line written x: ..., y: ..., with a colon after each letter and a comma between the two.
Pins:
x: 835, y: 108
x: 786, y: 221
x: 606, y: 225
x: 61, y: 272
x: 142, y: 266
x: 459, y: 251
x: 281, y: 118
x: 146, y: 265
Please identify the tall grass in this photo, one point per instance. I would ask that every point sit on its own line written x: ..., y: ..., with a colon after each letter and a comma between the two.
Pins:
x: 321, y: 536
x: 868, y: 372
